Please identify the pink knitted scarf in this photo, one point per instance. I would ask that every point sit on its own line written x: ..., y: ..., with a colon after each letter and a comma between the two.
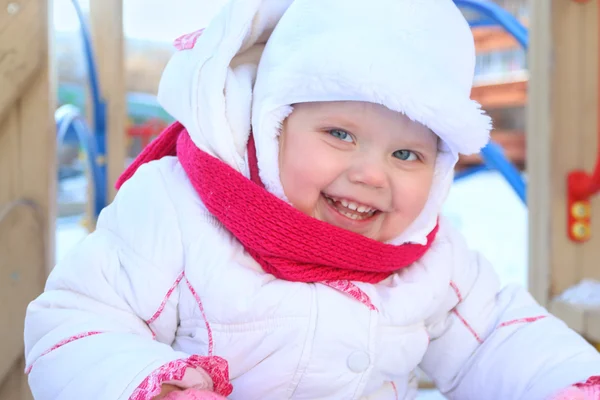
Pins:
x: 287, y: 243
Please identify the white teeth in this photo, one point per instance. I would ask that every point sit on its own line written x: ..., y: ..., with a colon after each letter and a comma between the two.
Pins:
x: 358, y: 208
x: 351, y: 216
x: 353, y: 206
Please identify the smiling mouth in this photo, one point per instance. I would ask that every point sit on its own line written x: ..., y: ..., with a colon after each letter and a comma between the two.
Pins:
x: 350, y: 209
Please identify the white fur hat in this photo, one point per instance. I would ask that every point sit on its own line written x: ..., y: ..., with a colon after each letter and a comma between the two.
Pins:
x: 416, y: 57
x: 259, y: 57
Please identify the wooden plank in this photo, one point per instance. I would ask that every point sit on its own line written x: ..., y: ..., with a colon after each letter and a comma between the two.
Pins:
x: 37, y: 150
x: 27, y: 192
x: 538, y: 131
x: 592, y: 328
x: 9, y: 9
x: 20, y: 49
x: 23, y: 234
x: 9, y: 133
x: 15, y: 385
x: 106, y: 20
x: 144, y: 63
x: 585, y: 320
x: 501, y: 95
x: 493, y: 38
x: 588, y: 138
x: 570, y: 314
x: 22, y: 271
x: 566, y: 139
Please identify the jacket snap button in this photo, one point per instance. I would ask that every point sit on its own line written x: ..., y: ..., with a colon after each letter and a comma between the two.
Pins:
x: 358, y: 361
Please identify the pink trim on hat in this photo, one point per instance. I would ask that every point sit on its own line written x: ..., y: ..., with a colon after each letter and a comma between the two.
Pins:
x: 187, y: 41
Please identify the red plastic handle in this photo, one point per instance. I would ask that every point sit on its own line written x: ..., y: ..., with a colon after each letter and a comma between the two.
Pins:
x: 579, y: 206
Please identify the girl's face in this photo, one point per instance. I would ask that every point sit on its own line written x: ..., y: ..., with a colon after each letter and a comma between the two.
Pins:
x: 356, y: 165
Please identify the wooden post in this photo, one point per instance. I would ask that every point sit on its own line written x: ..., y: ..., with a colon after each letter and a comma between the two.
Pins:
x: 562, y: 136
x: 27, y: 177
x: 106, y: 23
x: 539, y: 160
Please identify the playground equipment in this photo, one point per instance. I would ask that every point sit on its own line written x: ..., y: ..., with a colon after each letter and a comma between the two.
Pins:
x: 554, y: 233
x: 27, y: 167
x: 70, y: 123
x: 492, y: 154
x: 94, y: 139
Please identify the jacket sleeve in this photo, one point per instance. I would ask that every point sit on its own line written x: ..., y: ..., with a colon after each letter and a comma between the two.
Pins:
x: 497, y: 344
x: 102, y: 327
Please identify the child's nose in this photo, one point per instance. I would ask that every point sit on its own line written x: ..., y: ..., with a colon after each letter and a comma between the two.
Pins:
x: 369, y: 173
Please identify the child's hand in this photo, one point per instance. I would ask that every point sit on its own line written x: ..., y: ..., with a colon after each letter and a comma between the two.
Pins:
x: 193, y: 394
x: 165, y: 390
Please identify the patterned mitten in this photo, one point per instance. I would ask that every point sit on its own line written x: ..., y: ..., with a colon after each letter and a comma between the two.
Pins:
x: 193, y: 394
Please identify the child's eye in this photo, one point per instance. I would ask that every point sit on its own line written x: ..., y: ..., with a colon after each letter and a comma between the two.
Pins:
x: 405, y: 155
x: 340, y: 134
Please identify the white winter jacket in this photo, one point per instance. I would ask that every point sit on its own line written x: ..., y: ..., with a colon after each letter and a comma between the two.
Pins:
x: 121, y: 305
x: 161, y: 282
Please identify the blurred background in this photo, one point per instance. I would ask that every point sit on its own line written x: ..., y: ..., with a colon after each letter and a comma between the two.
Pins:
x: 476, y: 203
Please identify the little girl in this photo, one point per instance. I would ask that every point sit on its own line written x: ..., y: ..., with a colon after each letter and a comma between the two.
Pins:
x: 283, y: 239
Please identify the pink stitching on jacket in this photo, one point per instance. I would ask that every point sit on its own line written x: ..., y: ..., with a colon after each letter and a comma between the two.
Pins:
x: 164, y: 302
x: 353, y: 291
x: 395, y: 390
x: 454, y: 287
x: 216, y: 367
x: 187, y: 41
x: 466, y: 324
x: 60, y: 344
x: 208, y: 329
x: 456, y: 290
x: 521, y: 321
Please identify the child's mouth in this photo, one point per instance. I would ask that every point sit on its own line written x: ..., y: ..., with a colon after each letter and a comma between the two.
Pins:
x: 350, y: 209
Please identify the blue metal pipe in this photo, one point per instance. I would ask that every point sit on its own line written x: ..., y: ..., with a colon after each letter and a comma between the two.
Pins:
x: 69, y: 121
x: 494, y: 12
x: 494, y: 158
x: 482, y: 23
x: 100, y: 113
x: 492, y: 154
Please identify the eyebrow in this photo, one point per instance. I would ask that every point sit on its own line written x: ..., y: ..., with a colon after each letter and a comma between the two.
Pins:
x: 340, y: 121
x: 421, y: 145
x: 337, y: 119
